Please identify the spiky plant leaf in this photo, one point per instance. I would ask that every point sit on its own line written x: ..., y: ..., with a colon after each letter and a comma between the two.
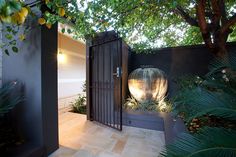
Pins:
x: 218, y: 64
x: 198, y: 102
x: 209, y: 142
x: 6, y: 101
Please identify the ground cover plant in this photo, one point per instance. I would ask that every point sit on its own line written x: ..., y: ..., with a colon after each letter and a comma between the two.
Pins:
x: 79, y: 105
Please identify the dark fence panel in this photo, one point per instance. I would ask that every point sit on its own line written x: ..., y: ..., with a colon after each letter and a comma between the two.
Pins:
x: 176, y: 62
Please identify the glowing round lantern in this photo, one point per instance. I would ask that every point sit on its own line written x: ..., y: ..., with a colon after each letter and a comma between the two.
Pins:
x: 147, y: 84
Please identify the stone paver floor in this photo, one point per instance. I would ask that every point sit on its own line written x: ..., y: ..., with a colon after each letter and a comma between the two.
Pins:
x: 81, y: 138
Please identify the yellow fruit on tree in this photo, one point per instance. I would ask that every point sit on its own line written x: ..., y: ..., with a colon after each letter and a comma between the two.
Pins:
x: 61, y: 12
x: 19, y: 17
x: 47, y: 1
x: 24, y: 11
x: 41, y: 21
x: 6, y: 19
x: 22, y: 37
x: 49, y: 26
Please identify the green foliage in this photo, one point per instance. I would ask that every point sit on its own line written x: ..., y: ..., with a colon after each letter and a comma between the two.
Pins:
x: 162, y: 106
x: 143, y: 24
x: 9, y: 7
x: 84, y: 87
x: 209, y: 102
x: 208, y: 142
x: 7, y: 103
x: 8, y: 100
x: 13, y: 15
x: 79, y: 105
x: 213, y: 95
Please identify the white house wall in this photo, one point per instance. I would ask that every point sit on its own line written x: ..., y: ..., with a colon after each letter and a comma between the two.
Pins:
x: 71, y: 71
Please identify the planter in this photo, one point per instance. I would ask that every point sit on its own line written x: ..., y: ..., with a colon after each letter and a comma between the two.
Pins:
x: 146, y: 120
x: 173, y: 127
x: 155, y: 121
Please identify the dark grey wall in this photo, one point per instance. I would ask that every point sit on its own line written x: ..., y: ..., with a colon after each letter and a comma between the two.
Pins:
x: 26, y: 68
x: 176, y: 62
x: 36, y: 67
x: 49, y: 87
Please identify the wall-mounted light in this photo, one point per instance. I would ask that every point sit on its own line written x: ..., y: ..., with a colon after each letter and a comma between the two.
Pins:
x: 61, y: 57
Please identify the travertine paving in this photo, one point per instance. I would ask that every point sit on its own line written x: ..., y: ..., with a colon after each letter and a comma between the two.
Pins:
x: 81, y: 138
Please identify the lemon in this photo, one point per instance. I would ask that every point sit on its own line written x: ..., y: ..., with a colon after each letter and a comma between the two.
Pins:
x: 61, y: 12
x: 19, y: 17
x: 24, y: 11
x: 6, y: 19
x: 49, y: 26
x: 41, y: 21
x: 47, y: 1
x: 22, y: 37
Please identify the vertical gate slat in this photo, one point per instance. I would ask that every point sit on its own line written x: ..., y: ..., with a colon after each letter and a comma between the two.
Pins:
x: 99, y: 83
x: 109, y: 86
x: 102, y: 89
x: 97, y: 62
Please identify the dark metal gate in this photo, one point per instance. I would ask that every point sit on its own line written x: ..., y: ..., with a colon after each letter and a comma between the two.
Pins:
x: 105, y: 82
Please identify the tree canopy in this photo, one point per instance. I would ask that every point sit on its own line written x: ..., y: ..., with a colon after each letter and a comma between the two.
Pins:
x: 149, y: 23
x: 155, y: 23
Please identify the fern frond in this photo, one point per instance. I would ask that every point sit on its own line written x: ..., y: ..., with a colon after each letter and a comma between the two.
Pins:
x: 209, y: 142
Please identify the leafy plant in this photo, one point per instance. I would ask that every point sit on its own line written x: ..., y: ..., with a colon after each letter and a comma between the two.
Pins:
x: 209, y: 111
x: 8, y: 100
x: 79, y: 105
x: 7, y: 103
x: 209, y: 142
x: 161, y: 106
x: 13, y: 14
x: 84, y: 87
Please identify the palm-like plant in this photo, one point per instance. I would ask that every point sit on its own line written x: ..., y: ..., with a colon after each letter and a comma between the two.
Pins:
x: 9, y: 98
x: 208, y: 142
x: 7, y: 101
x: 211, y: 96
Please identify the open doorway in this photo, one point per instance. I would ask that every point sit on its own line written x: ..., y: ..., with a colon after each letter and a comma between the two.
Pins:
x: 105, y: 58
x: 71, y: 73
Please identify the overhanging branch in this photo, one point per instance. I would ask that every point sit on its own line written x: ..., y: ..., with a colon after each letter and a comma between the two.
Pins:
x: 186, y: 16
x: 228, y: 24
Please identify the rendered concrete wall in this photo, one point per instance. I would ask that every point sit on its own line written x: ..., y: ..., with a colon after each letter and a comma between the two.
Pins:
x: 176, y: 62
x: 25, y: 67
x: 35, y: 66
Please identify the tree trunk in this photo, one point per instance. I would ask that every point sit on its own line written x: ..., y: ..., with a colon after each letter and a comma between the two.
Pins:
x: 211, y: 18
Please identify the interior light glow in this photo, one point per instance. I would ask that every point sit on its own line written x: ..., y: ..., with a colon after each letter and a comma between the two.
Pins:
x: 61, y: 57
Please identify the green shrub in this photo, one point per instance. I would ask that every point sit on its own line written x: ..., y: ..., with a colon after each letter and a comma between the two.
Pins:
x: 79, y: 105
x: 161, y: 106
x: 208, y: 108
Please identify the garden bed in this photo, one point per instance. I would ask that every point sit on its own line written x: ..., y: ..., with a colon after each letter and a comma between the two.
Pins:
x: 155, y: 121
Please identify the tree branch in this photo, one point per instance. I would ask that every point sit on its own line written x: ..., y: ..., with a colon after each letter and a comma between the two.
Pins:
x: 216, y: 12
x: 228, y: 24
x: 186, y: 16
x: 201, y: 15
x: 222, y: 11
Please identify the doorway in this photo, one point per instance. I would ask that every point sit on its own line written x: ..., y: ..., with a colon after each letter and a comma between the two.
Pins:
x: 71, y: 73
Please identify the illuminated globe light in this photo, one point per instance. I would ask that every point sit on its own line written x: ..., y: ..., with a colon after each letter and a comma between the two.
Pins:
x: 148, y: 84
x: 61, y: 57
